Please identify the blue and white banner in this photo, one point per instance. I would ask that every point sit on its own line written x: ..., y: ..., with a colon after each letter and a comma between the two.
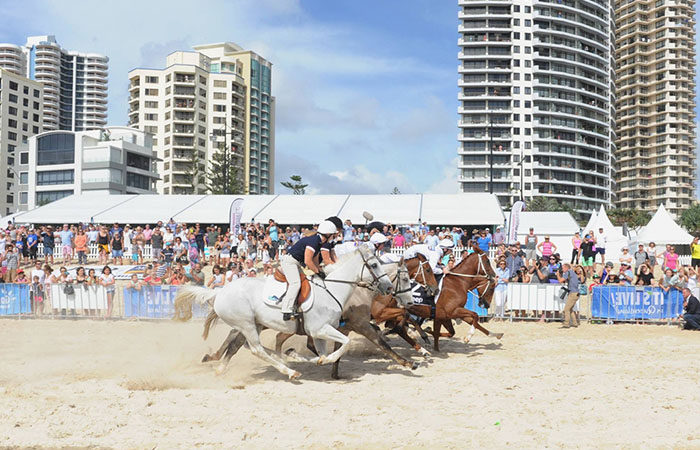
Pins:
x: 14, y: 299
x: 155, y: 302
x: 235, y: 214
x: 473, y: 305
x: 514, y: 221
x: 633, y: 302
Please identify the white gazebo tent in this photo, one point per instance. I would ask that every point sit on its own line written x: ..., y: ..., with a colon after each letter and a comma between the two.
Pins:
x: 559, y: 226
x: 662, y: 230
x: 591, y: 222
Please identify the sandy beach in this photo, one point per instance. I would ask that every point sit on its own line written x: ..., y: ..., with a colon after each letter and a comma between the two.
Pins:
x: 140, y: 384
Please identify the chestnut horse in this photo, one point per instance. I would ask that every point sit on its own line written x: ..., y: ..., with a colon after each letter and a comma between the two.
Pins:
x: 384, y: 308
x: 473, y: 274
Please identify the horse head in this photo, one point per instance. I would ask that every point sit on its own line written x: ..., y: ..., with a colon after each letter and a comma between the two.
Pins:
x: 420, y: 270
x: 402, y: 286
x: 487, y: 284
x: 374, y: 273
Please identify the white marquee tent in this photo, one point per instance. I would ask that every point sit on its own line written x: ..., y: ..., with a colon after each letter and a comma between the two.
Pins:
x: 559, y: 226
x: 662, y: 230
x: 435, y: 209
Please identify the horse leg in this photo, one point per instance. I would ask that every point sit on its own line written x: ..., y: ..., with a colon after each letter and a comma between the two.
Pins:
x: 419, y: 329
x: 220, y: 352
x: 450, y: 329
x: 280, y: 339
x: 336, y: 365
x: 403, y: 332
x: 252, y: 336
x: 235, y: 343
x: 473, y: 318
x: 437, y: 323
x: 328, y: 333
x: 364, y: 328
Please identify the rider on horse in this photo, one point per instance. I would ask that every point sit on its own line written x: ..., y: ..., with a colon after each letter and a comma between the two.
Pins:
x: 328, y: 255
x: 305, y: 253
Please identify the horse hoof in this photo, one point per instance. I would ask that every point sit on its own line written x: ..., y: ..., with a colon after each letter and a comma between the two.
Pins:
x: 294, y: 375
x: 466, y: 340
x: 425, y: 353
x: 321, y: 360
x: 206, y: 358
x: 498, y: 335
x: 415, y: 365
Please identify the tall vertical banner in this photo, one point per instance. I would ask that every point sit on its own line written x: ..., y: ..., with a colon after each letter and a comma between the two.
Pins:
x: 235, y: 214
x: 514, y: 221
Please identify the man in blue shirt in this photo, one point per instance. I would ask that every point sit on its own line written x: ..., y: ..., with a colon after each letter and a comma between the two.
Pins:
x: 47, y: 238
x: 66, y: 236
x: 305, y: 253
x: 348, y: 231
x: 32, y: 243
x: 483, y: 241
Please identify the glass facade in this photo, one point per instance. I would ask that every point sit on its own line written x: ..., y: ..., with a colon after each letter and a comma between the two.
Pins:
x: 56, y: 148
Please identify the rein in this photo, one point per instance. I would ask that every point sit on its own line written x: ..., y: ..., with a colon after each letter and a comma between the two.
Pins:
x: 485, y: 275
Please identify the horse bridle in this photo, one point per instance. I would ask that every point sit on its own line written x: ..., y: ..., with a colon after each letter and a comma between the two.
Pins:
x: 373, y: 285
x: 486, y: 275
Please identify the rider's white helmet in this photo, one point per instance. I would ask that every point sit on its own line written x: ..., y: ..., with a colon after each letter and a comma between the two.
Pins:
x: 446, y: 243
x: 378, y: 239
x: 327, y: 227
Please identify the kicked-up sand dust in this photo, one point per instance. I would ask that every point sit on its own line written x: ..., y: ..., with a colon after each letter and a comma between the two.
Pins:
x: 140, y: 384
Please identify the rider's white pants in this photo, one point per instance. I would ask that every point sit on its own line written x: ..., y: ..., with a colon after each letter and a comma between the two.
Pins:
x: 290, y: 269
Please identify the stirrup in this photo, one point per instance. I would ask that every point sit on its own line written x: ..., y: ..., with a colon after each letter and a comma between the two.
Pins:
x: 290, y: 316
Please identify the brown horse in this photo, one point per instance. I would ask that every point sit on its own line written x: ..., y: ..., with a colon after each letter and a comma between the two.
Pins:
x: 473, y: 274
x: 356, y: 319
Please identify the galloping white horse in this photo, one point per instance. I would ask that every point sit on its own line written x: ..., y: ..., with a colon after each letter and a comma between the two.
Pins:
x: 240, y: 304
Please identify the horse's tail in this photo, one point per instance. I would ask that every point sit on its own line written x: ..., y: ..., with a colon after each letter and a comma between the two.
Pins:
x: 209, y: 323
x: 185, y: 297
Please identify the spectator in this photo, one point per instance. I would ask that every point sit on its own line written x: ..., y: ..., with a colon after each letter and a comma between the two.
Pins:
x: 531, y: 247
x: 217, y: 278
x: 576, y: 248
x: 691, y: 318
x: 644, y: 276
x: 499, y: 294
x: 571, y: 280
x: 641, y: 257
x: 601, y: 240
x: 134, y: 283
x: 625, y: 257
x: 103, y: 241
x: 432, y: 240
x: 107, y: 280
x: 546, y: 247
x: 156, y: 244
x: 33, y: 244
x: 483, y: 241
x: 499, y: 236
x: 695, y: 252
x: 152, y: 278
x: 11, y: 263
x: 626, y: 274
x: 92, y: 234
x: 670, y: 281
x: 21, y: 277
x: 587, y: 254
x: 81, y: 246
x: 66, y: 236
x: 197, y: 275
x: 514, y: 262
x: 179, y: 250
x: 36, y: 290
x: 671, y: 258
x: 655, y: 254
x: 117, y: 246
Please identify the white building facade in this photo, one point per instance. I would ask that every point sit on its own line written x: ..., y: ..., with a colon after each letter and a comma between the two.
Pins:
x: 21, y: 116
x: 536, y: 94
x: 216, y: 97
x: 114, y: 160
x: 75, y: 83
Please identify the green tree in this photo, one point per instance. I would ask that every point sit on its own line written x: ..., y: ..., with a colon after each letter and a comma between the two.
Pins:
x: 395, y: 191
x: 690, y: 219
x: 634, y: 218
x: 296, y: 185
x: 195, y: 174
x: 224, y: 175
x: 549, y: 204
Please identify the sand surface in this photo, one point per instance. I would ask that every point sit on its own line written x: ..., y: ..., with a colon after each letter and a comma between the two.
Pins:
x: 140, y: 385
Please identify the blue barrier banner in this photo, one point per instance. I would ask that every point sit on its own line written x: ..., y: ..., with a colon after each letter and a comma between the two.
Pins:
x: 14, y: 299
x: 155, y: 302
x: 473, y: 305
x: 635, y: 302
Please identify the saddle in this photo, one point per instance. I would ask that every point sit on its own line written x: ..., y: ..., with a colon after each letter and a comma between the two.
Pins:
x: 305, y: 285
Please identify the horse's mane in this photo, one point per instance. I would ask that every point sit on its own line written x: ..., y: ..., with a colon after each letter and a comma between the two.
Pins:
x: 477, y: 251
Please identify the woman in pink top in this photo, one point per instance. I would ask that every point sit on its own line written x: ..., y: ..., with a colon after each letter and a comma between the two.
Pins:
x: 399, y: 240
x: 671, y: 259
x: 576, y: 252
x: 546, y: 247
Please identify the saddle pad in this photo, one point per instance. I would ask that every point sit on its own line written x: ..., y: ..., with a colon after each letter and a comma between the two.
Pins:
x: 420, y: 296
x: 273, y: 291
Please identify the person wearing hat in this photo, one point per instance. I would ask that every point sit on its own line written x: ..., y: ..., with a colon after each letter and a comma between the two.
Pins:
x: 607, y: 270
x: 531, y: 246
x: 328, y: 255
x: 304, y: 254
x: 626, y: 274
x: 432, y: 255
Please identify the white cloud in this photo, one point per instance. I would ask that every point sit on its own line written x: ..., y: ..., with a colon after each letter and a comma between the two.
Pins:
x: 447, y: 184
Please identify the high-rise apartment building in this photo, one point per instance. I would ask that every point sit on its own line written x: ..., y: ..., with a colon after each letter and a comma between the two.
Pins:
x: 21, y: 117
x: 75, y: 83
x: 536, y: 91
x: 655, y: 156
x: 218, y: 96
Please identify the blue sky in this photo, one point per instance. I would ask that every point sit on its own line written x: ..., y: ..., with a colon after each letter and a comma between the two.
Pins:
x: 366, y: 90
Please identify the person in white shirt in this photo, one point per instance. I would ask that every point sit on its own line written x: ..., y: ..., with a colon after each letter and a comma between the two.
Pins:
x: 432, y: 241
x: 168, y: 236
x: 38, y: 271
x: 600, y: 241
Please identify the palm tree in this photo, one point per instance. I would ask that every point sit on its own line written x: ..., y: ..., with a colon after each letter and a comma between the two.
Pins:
x: 296, y: 185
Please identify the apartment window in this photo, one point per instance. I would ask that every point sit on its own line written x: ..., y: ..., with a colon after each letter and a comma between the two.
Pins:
x: 25, y: 89
x: 52, y: 177
x: 150, y: 104
x: 12, y: 123
x: 220, y: 108
x: 219, y: 95
x: 516, y: 8
x: 151, y: 79
x: 151, y: 116
x: 516, y: 49
x: 25, y: 102
x: 35, y: 105
x: 151, y: 91
x: 35, y: 93
x: 516, y: 22
x: 24, y: 178
x: 43, y: 198
x: 13, y: 86
x: 35, y: 129
x: 13, y: 98
x: 528, y: 36
x: 57, y: 148
x: 528, y: 22
x: 23, y: 196
x: 12, y: 111
x: 24, y: 158
x: 220, y: 83
x: 11, y: 135
x: 528, y: 9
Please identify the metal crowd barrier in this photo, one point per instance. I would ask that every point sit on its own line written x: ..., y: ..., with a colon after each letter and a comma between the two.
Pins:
x: 91, y: 302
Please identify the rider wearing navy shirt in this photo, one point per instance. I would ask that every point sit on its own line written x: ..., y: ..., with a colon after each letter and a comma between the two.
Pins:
x: 305, y: 253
